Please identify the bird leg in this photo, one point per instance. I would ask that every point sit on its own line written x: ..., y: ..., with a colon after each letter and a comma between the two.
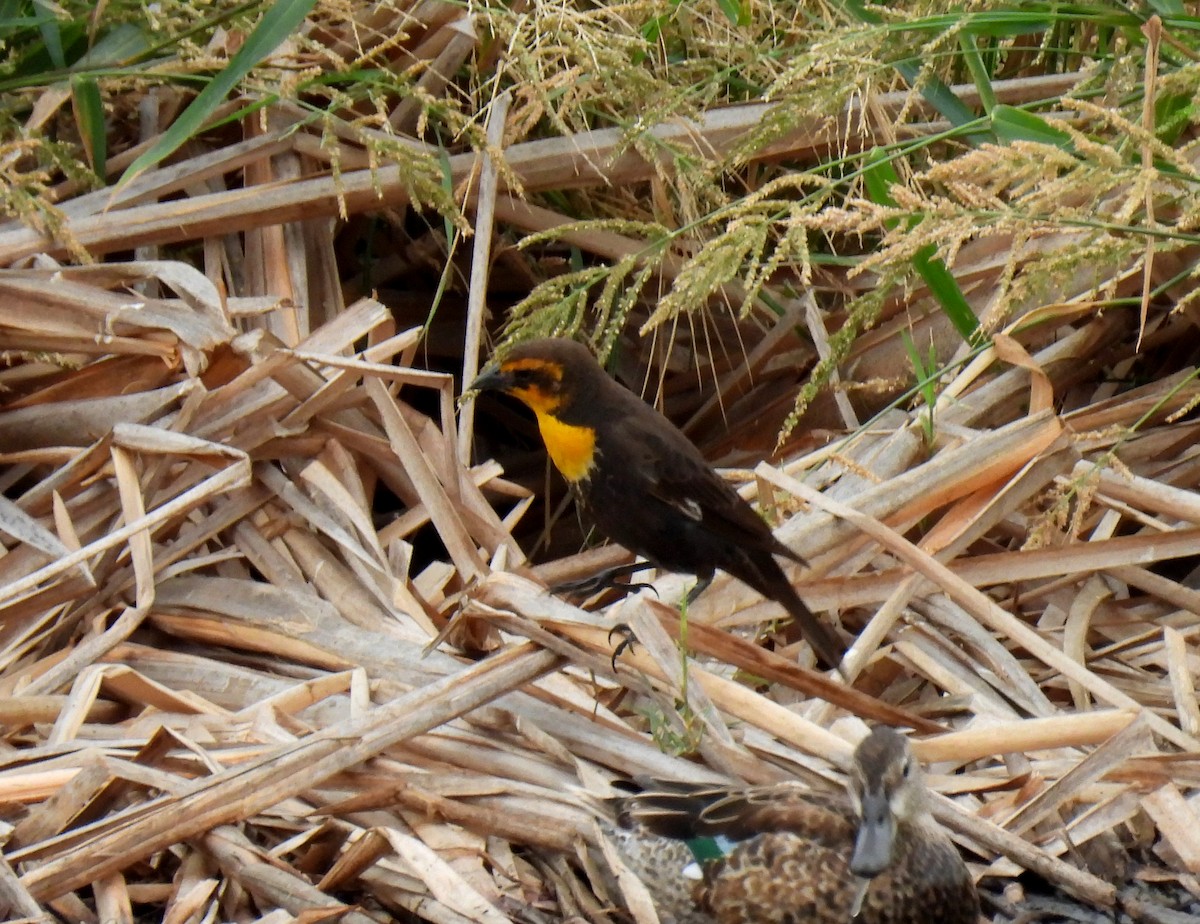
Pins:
x: 608, y: 579
x: 699, y: 588
x: 628, y: 638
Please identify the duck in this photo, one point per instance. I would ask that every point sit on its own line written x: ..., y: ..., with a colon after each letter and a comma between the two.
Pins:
x: 785, y: 854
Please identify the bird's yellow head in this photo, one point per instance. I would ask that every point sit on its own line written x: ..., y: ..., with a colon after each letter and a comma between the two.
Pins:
x: 549, y: 376
x: 533, y: 381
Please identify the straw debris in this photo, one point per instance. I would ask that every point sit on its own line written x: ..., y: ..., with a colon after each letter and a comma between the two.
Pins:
x: 271, y: 646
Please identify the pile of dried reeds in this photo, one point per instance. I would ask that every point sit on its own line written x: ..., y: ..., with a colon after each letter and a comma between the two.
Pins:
x: 232, y: 690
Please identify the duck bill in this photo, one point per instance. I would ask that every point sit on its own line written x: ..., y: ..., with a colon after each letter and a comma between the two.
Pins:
x: 876, y: 834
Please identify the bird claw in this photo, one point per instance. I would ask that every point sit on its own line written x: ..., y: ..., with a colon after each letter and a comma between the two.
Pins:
x: 605, y: 580
x: 628, y: 640
x: 584, y: 587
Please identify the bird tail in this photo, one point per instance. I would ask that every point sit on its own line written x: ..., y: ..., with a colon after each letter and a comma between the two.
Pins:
x: 775, y: 584
x: 825, y: 643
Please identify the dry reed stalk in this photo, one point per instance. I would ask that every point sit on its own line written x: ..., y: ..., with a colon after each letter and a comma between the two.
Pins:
x: 537, y: 165
x: 204, y: 621
x: 284, y: 564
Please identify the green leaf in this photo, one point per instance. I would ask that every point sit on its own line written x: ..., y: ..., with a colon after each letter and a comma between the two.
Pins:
x: 51, y: 35
x: 89, y: 111
x: 918, y: 362
x: 936, y: 93
x: 652, y: 29
x: 119, y: 46
x: 861, y: 13
x: 735, y: 12
x: 1011, y: 124
x: 12, y: 18
x: 1167, y: 7
x: 945, y: 289
x: 1007, y: 23
x: 280, y: 20
x: 983, y: 81
x: 879, y: 175
x: 1173, y: 113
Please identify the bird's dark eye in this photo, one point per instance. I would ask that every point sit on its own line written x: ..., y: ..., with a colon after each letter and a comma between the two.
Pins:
x: 523, y: 376
x: 908, y: 768
x: 534, y: 379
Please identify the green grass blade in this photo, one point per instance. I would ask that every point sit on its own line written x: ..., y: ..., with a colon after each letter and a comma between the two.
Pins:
x: 280, y: 20
x: 51, y: 34
x: 1011, y: 124
x: 945, y: 289
x: 12, y: 18
x: 879, y: 176
x: 940, y: 96
x: 125, y: 43
x: 936, y: 93
x: 983, y: 81
x: 735, y: 12
x: 89, y: 111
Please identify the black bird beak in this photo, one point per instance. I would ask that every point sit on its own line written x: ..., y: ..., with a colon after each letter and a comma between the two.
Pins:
x: 876, y: 832
x: 492, y: 380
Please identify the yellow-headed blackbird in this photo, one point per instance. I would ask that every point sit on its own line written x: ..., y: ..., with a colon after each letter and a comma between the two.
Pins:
x: 643, y: 482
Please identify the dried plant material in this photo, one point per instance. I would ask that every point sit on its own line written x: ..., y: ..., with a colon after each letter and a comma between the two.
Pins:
x: 283, y: 562
x: 271, y: 647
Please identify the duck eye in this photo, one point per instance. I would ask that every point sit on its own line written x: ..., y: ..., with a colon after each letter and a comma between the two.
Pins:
x: 908, y: 768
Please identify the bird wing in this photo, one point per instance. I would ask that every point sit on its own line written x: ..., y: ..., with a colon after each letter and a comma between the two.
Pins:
x: 677, y: 474
x: 820, y: 818
x: 738, y: 814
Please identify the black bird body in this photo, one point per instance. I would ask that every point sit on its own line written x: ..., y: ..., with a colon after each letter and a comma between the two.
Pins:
x: 643, y: 482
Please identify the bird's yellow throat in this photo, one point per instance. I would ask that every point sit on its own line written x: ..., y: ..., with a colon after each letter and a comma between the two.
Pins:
x: 572, y: 448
